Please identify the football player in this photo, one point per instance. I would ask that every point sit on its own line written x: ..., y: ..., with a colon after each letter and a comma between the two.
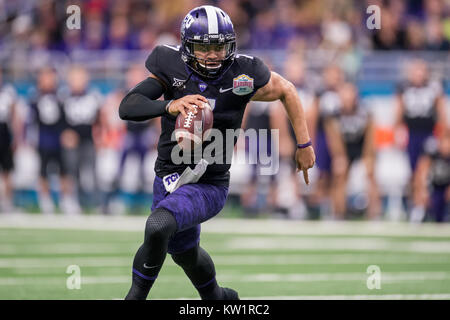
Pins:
x: 288, y: 185
x: 205, y: 67
x: 140, y: 136
x: 420, y: 105
x: 433, y: 177
x: 47, y: 114
x: 330, y: 156
x: 81, y: 109
x: 10, y: 131
x: 356, y: 129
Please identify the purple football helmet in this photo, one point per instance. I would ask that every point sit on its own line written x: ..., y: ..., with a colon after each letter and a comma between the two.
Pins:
x: 203, y: 29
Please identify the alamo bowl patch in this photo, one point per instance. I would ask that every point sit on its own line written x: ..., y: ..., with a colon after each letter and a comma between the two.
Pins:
x: 242, y: 85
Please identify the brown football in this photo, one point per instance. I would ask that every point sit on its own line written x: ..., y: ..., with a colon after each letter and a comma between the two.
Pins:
x: 192, y: 130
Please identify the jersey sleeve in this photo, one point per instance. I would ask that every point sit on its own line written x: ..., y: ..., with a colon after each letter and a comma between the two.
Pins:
x: 261, y: 73
x: 154, y: 64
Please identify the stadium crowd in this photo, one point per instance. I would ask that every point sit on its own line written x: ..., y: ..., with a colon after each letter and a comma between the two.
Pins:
x: 77, y: 134
x: 261, y: 24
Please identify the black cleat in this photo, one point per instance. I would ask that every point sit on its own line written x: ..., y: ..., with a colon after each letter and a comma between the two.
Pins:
x: 229, y: 294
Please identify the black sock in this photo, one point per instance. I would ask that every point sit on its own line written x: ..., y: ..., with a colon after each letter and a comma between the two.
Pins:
x: 149, y: 258
x: 199, y: 267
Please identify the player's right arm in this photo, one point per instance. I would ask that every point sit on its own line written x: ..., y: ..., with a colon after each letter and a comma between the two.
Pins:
x: 141, y: 103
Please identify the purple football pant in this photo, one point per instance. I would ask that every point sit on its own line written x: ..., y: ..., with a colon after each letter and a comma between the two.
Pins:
x: 415, y: 146
x: 438, y: 203
x: 323, y: 158
x: 191, y: 204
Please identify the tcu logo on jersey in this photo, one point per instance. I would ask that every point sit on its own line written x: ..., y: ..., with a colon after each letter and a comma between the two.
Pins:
x: 169, y: 179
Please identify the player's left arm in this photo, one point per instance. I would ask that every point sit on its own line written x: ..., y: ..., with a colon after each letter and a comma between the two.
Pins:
x: 282, y: 89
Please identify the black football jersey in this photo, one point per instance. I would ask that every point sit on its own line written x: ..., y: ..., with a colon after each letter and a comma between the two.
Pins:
x: 7, y: 99
x: 353, y: 127
x: 439, y: 174
x: 329, y: 104
x: 227, y: 95
x: 420, y: 105
x: 82, y: 112
x: 47, y: 113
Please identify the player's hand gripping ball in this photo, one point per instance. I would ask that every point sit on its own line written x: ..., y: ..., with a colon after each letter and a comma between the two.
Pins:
x: 194, y: 128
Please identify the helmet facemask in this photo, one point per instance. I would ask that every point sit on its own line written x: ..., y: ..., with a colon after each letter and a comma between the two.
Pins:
x: 211, y: 56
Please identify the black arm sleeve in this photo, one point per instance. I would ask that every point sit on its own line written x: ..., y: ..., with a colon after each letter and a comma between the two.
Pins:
x: 140, y: 103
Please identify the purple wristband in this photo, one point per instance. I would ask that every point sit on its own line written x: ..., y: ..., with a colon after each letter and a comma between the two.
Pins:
x: 305, y: 145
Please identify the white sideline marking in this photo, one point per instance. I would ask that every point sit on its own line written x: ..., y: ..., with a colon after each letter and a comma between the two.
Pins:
x: 235, y: 226
x: 387, y: 277
x: 432, y: 296
x: 68, y: 248
x: 326, y: 243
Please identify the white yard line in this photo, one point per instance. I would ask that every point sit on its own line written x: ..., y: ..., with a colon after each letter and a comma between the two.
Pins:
x: 237, y: 226
x: 239, y: 243
x: 29, y: 265
x: 399, y: 296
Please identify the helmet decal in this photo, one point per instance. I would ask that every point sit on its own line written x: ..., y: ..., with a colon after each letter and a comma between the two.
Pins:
x: 211, y: 15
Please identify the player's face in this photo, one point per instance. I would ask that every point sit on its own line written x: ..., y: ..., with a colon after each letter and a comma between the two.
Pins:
x: 418, y: 72
x: 134, y: 75
x: 210, y: 55
x: 348, y: 96
x: 332, y: 76
x: 47, y: 80
x: 294, y: 69
x: 78, y: 79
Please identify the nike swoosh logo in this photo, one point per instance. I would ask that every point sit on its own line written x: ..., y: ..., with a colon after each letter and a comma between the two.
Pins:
x: 225, y: 90
x: 147, y: 267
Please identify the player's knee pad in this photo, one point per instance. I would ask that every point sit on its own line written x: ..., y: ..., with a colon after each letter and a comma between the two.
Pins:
x: 187, y: 259
x: 160, y: 226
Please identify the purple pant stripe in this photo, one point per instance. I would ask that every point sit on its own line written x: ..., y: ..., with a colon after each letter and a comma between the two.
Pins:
x: 205, y: 284
x: 143, y: 276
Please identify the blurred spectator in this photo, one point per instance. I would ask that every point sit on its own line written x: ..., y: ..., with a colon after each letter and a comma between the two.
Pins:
x: 415, y: 36
x: 390, y: 36
x: 260, y: 24
x: 435, y: 36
